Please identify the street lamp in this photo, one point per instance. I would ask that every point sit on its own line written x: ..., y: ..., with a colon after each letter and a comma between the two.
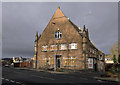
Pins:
x: 54, y: 48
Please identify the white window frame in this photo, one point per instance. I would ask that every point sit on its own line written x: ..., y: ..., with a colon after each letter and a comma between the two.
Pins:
x: 107, y: 59
x: 90, y: 49
x: 62, y: 47
x: 58, y: 35
x: 44, y: 48
x: 93, y: 51
x: 73, y: 46
x: 52, y: 47
x: 71, y: 59
x: 100, y: 57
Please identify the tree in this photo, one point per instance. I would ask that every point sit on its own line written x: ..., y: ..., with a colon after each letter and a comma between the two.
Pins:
x: 119, y: 58
x: 114, y: 59
x: 114, y: 49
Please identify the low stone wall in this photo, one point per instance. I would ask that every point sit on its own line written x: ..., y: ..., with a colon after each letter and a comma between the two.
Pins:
x: 24, y: 64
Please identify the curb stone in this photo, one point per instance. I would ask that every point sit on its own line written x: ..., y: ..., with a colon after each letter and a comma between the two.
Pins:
x: 108, y: 79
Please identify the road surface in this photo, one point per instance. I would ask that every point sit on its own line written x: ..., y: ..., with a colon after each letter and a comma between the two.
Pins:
x: 26, y: 77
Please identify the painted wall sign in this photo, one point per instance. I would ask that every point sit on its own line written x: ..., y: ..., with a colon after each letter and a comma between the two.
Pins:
x: 90, y: 63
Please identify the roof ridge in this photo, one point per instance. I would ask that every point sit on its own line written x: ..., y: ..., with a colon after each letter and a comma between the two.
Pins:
x: 58, y: 13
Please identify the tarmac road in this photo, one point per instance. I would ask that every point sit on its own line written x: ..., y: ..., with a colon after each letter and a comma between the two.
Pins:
x: 26, y: 77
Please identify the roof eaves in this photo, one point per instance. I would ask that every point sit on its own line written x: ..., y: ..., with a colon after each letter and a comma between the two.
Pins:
x: 75, y: 26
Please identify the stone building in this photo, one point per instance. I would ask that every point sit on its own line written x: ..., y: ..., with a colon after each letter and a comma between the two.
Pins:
x: 109, y: 59
x: 63, y: 45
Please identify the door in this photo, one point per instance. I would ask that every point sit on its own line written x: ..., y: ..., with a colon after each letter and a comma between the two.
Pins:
x: 95, y: 64
x: 58, y: 61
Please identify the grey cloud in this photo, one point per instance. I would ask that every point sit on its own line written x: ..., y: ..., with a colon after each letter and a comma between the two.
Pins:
x: 22, y: 20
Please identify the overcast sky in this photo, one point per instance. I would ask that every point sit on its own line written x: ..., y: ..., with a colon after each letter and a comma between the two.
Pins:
x: 21, y: 20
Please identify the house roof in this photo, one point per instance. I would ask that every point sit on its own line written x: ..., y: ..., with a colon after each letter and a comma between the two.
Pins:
x: 58, y: 13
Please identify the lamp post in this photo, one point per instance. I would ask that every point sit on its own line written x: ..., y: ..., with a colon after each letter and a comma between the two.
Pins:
x: 84, y: 61
x: 36, y: 60
x: 54, y: 48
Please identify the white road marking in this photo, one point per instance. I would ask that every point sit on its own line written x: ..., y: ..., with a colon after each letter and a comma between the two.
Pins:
x: 7, y: 79
x: 43, y: 77
x: 18, y: 82
x: 2, y: 78
x: 100, y: 80
x: 12, y: 81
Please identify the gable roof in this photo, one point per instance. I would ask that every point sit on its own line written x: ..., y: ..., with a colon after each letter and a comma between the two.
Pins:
x: 58, y: 13
x: 75, y: 26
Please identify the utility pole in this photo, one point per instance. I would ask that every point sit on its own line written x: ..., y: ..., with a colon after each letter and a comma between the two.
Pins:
x: 84, y: 46
x: 36, y: 49
x: 54, y: 47
x: 85, y: 61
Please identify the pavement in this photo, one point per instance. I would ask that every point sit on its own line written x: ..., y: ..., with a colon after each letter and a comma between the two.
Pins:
x: 41, y: 70
x: 108, y: 79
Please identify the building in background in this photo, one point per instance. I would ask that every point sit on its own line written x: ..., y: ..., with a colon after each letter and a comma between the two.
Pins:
x: 63, y: 45
x: 22, y: 62
x: 6, y: 61
x: 109, y: 59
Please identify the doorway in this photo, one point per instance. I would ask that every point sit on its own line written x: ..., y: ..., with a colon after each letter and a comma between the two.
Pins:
x: 58, y: 61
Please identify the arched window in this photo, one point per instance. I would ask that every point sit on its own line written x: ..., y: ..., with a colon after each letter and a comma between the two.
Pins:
x: 58, y: 35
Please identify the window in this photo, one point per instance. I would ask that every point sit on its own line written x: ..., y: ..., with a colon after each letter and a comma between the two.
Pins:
x: 100, y: 57
x: 73, y: 46
x: 93, y: 50
x: 69, y: 61
x: 44, y: 61
x: 45, y: 48
x: 65, y: 60
x: 73, y: 59
x: 47, y: 62
x: 90, y: 49
x: 62, y: 47
x: 53, y: 47
x: 58, y: 35
x: 107, y: 59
